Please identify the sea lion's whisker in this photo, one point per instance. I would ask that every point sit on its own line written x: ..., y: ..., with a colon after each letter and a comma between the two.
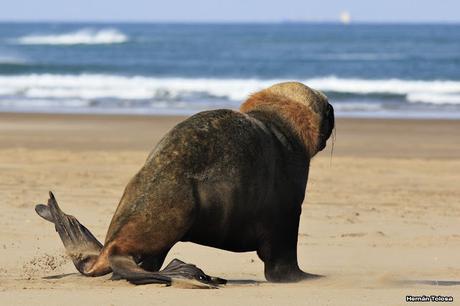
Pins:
x: 334, y: 132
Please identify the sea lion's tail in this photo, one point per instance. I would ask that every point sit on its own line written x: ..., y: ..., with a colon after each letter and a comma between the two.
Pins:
x: 80, y: 243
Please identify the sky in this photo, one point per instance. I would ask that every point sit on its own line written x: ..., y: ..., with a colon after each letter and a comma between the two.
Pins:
x: 230, y: 11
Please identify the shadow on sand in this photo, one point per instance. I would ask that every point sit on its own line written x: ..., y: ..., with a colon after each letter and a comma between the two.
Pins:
x: 59, y: 276
x: 430, y: 282
x: 229, y: 282
x: 244, y: 282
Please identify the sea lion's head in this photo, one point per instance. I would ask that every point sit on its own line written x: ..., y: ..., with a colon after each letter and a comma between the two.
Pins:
x: 305, y: 110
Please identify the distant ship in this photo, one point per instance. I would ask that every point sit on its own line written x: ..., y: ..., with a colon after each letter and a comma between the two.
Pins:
x: 345, y: 17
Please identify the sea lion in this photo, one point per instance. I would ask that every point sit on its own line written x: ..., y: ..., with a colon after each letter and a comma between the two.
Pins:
x: 233, y: 180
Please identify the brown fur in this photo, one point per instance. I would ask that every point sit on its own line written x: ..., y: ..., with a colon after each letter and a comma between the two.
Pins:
x: 225, y: 179
x: 299, y: 107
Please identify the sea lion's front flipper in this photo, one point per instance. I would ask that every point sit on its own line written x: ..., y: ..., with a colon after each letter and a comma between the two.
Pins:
x: 80, y: 244
x: 176, y: 273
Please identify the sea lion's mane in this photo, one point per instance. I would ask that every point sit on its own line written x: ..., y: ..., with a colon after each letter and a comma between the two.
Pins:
x: 298, y: 109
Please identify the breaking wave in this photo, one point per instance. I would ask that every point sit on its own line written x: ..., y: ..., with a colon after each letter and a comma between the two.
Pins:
x: 99, y: 93
x: 90, y: 86
x: 83, y: 36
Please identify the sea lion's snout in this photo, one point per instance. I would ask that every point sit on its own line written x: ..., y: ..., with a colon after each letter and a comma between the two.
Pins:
x: 327, y: 126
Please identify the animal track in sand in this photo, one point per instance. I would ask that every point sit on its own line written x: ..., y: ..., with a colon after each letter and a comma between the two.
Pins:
x: 361, y: 234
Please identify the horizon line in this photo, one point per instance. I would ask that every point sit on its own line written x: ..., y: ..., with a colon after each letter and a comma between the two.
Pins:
x: 282, y: 21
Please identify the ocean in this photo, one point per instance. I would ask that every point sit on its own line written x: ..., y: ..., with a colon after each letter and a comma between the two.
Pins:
x: 366, y: 70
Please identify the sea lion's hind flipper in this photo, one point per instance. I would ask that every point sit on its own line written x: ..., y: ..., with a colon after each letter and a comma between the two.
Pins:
x: 124, y: 267
x: 74, y: 235
x: 179, y: 269
x: 44, y: 211
x: 176, y: 273
x: 80, y: 244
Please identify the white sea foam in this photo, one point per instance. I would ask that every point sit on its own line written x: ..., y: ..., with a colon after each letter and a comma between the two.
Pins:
x: 83, y: 36
x: 387, y: 86
x: 434, y: 98
x: 202, y: 93
x: 359, y: 56
x: 43, y: 103
x: 91, y: 86
x: 13, y: 60
x: 358, y: 107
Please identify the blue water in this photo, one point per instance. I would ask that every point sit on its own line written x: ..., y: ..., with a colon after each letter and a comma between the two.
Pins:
x: 366, y: 70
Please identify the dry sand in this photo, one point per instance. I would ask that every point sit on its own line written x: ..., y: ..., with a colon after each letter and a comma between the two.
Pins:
x: 384, y: 208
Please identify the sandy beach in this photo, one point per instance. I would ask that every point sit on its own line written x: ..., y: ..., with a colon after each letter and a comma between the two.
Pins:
x: 382, y: 209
